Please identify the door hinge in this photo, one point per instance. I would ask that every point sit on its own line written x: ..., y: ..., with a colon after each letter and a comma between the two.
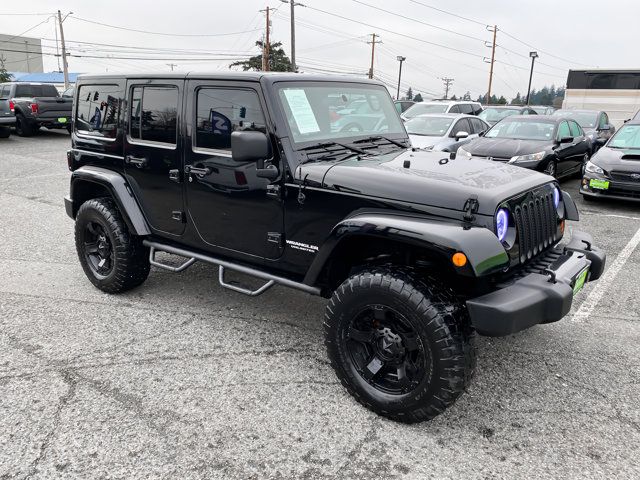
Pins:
x: 178, y: 216
x: 273, y: 190
x: 174, y: 175
x: 275, y: 237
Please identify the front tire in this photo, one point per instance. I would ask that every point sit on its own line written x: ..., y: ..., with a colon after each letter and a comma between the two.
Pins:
x: 402, y: 347
x: 113, y: 259
x: 552, y: 168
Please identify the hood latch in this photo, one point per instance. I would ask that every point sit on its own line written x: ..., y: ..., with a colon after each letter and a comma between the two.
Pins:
x: 470, y: 208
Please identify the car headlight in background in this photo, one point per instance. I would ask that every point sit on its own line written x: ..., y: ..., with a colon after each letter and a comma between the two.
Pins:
x: 502, y: 224
x: 533, y: 157
x: 593, y: 168
x: 463, y: 152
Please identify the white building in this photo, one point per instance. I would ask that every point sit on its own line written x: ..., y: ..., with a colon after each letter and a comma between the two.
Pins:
x: 21, y: 54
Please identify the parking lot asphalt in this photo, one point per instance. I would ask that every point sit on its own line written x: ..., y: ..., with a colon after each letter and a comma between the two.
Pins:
x: 182, y: 379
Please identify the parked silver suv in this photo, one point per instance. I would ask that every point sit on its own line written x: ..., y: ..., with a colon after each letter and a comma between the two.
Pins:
x: 442, y: 106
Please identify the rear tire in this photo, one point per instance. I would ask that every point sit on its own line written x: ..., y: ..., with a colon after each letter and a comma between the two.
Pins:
x: 5, y: 132
x: 113, y: 259
x: 401, y: 346
x: 23, y: 127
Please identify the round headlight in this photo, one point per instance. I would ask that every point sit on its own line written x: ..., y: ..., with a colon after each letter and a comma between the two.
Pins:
x: 502, y: 224
x: 556, y: 197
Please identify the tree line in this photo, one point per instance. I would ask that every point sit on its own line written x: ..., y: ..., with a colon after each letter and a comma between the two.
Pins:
x: 551, y: 96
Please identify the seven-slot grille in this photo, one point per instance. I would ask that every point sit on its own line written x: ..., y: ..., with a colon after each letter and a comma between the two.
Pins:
x: 536, y: 223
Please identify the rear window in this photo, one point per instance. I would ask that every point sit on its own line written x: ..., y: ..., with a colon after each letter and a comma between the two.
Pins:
x: 153, y: 114
x: 98, y: 110
x: 36, y: 91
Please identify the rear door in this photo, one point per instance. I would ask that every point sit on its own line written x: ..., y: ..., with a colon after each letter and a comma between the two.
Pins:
x: 5, y: 109
x: 152, y: 151
x: 566, y: 152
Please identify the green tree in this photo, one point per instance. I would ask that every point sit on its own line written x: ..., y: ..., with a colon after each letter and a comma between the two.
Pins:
x: 453, y: 97
x: 4, y: 75
x: 409, y: 95
x: 467, y: 97
x: 502, y: 100
x: 278, y: 60
x: 417, y: 98
x: 517, y: 100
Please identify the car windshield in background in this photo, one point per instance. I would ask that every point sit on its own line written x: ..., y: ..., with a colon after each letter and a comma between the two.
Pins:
x: 522, y: 130
x: 627, y: 137
x: 336, y: 110
x: 428, y: 126
x: 496, y: 114
x: 585, y: 119
x: 29, y: 91
x: 421, y: 108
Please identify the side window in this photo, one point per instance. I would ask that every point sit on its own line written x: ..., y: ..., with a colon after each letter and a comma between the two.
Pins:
x: 461, y: 126
x: 4, y: 92
x: 153, y: 114
x: 98, y: 110
x: 466, y: 108
x: 478, y: 125
x: 221, y: 111
x: 563, y: 130
x: 604, y: 120
x: 477, y: 109
x: 455, y: 109
x: 575, y: 129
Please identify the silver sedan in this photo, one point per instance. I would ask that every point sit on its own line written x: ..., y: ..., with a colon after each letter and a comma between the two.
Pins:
x: 444, y: 132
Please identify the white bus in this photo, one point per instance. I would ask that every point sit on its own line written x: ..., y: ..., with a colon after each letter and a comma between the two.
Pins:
x: 616, y: 92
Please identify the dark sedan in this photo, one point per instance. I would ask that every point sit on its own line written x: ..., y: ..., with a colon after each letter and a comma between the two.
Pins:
x: 492, y: 114
x: 614, y: 172
x: 553, y: 145
x: 595, y: 124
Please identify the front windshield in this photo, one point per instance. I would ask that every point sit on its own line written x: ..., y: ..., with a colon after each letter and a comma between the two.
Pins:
x: 496, y: 114
x: 627, y: 137
x: 584, y: 119
x: 522, y: 130
x: 333, y: 110
x: 421, y: 108
x: 428, y: 126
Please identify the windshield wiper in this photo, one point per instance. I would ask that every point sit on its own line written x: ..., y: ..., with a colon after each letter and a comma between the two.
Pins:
x: 325, y: 145
x: 380, y: 137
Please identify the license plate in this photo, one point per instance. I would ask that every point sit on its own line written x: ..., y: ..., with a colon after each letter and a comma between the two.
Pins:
x: 599, y: 184
x: 62, y: 120
x: 580, y: 280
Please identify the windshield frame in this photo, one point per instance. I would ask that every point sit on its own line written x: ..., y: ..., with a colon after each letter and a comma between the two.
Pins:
x: 283, y: 123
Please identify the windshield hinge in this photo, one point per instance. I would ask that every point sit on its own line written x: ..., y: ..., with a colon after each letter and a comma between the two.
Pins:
x: 470, y: 208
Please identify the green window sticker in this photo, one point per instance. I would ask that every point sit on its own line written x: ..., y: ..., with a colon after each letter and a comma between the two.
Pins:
x: 62, y: 120
x: 599, y: 184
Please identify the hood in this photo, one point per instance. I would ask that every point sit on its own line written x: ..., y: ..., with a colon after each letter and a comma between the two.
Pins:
x: 504, y: 147
x: 431, y: 179
x: 622, y: 160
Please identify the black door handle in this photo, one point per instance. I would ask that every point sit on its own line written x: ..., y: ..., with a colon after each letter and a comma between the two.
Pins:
x: 138, y: 162
x: 197, y: 171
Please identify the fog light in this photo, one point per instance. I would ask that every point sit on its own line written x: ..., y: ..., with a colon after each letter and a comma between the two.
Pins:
x: 459, y: 259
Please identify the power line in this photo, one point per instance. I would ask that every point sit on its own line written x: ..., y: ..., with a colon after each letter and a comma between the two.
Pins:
x: 28, y: 30
x: 484, y: 24
x: 163, y: 33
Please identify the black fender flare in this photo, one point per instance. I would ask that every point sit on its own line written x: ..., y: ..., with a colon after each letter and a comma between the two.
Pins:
x: 485, y: 254
x: 570, y: 209
x: 120, y: 191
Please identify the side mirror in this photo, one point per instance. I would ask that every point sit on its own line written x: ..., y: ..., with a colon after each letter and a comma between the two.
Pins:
x: 481, y: 134
x: 249, y: 146
x: 461, y: 135
x: 566, y: 140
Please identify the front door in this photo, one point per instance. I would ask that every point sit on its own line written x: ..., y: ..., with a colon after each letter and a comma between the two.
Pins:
x: 152, y: 152
x: 231, y: 207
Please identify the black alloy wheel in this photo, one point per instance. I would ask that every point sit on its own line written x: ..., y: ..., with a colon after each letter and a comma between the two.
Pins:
x: 386, y: 351
x: 98, y: 249
x: 551, y: 168
x: 23, y: 128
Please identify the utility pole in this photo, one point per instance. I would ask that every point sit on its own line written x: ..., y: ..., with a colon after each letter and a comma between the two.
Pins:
x: 373, y: 51
x: 400, y: 59
x: 65, y: 67
x: 533, y: 56
x: 171, y: 65
x: 493, y: 59
x: 447, y: 84
x: 293, y: 4
x: 265, y: 47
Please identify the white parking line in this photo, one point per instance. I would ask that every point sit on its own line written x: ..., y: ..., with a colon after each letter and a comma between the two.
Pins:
x: 603, y: 284
x: 627, y: 217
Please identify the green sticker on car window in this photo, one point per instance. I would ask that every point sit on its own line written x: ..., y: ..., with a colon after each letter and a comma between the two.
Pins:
x: 62, y: 120
x: 599, y: 184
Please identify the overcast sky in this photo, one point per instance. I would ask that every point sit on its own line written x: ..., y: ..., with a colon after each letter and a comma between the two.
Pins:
x: 570, y: 34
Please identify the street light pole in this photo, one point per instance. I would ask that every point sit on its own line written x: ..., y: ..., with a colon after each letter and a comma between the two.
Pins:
x: 533, y: 56
x: 400, y: 59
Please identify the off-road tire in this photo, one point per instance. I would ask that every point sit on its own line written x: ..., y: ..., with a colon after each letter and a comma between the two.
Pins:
x: 23, y: 127
x: 130, y: 258
x: 440, y: 321
x: 5, y: 132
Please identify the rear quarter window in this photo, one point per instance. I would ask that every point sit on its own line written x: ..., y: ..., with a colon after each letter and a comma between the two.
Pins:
x: 36, y: 91
x: 98, y: 110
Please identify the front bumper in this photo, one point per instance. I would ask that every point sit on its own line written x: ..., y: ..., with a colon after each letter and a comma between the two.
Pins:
x: 538, y: 297
x: 616, y: 189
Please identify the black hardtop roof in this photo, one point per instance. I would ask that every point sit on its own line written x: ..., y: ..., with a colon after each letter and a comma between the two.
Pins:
x: 271, y: 77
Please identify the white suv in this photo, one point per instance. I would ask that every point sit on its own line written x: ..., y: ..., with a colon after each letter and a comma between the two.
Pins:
x: 442, y: 106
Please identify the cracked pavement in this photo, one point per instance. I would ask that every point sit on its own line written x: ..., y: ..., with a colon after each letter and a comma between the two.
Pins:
x: 183, y: 379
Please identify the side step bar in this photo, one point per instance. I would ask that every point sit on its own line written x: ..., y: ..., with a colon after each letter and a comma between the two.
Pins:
x: 192, y: 257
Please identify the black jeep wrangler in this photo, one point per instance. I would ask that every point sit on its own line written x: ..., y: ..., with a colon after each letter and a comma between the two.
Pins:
x: 417, y: 251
